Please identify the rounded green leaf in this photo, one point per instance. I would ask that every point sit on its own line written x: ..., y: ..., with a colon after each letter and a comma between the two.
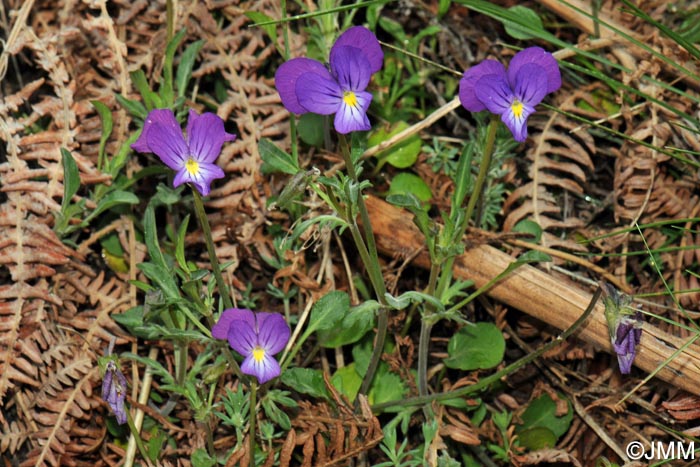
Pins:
x: 537, y: 437
x: 406, y: 182
x: 401, y: 155
x: 480, y: 346
x: 542, y: 412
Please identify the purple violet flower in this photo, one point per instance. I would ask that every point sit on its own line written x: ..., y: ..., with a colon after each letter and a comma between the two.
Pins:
x: 627, y: 337
x: 114, y: 389
x: 256, y: 336
x: 533, y: 73
x: 192, y: 159
x: 306, y: 85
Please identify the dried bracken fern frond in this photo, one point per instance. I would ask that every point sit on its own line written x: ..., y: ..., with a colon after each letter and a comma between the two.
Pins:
x: 560, y: 160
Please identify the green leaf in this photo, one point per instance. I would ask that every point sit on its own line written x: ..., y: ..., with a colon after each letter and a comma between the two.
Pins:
x: 131, y: 318
x: 528, y: 16
x: 180, y: 245
x: 107, y: 125
x: 306, y: 381
x: 150, y: 233
x: 480, y: 346
x: 328, y: 312
x: 347, y: 381
x: 135, y: 108
x: 166, y: 89
x: 71, y: 178
x: 530, y: 227
x: 401, y: 155
x: 150, y: 98
x: 111, y: 200
x: 275, y: 159
x: 537, y: 437
x: 542, y: 412
x: 184, y: 69
x: 310, y: 128
x: 162, y: 278
x: 406, y: 182
x: 443, y: 6
x: 200, y: 458
x: 352, y: 327
x: 386, y: 387
x: 270, y: 29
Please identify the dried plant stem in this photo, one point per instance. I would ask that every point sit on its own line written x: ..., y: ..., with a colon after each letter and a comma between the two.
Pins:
x: 170, y: 19
x: 137, y: 422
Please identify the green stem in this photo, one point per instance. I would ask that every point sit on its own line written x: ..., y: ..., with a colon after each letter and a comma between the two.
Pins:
x: 368, y: 250
x: 488, y: 380
x: 423, y: 344
x: 206, y: 230
x: 251, y: 421
x: 473, y: 198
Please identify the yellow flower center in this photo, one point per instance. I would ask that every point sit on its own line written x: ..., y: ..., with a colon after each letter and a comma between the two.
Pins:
x: 350, y: 98
x: 192, y: 166
x: 258, y: 354
x: 517, y: 108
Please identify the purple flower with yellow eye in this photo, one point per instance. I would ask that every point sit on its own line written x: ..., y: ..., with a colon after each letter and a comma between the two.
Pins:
x: 306, y: 85
x: 257, y: 337
x: 533, y: 73
x: 193, y: 158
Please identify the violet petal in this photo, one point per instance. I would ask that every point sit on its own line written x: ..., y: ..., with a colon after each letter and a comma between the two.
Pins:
x: 273, y: 332
x: 353, y: 117
x: 318, y: 94
x: 165, y: 140
x: 220, y: 329
x: 515, y: 118
x: 538, y: 56
x: 264, y: 369
x: 365, y: 40
x: 242, y: 337
x: 351, y: 68
x: 467, y: 84
x: 206, y: 135
x: 163, y: 116
x: 201, y: 179
x: 530, y: 85
x: 287, y: 76
x: 494, y: 93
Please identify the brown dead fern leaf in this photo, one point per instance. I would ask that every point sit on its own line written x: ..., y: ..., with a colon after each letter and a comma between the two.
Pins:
x: 560, y: 159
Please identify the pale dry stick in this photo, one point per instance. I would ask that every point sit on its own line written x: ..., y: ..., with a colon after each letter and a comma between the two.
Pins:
x: 138, y: 418
x: 9, y: 44
x: 632, y: 111
x: 543, y: 296
x: 574, y: 259
x: 413, y: 129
